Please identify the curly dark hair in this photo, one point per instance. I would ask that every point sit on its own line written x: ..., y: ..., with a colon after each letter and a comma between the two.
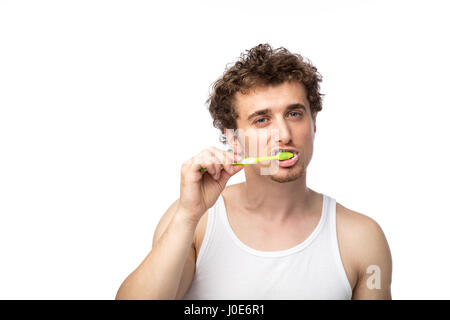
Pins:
x: 260, y: 66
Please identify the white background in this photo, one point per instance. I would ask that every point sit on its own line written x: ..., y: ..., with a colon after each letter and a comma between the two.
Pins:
x: 102, y: 101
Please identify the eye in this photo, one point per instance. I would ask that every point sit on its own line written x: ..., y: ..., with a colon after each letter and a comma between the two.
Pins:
x: 259, y: 121
x: 295, y: 112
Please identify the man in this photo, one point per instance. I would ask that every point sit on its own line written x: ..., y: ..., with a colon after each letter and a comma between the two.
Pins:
x: 270, y: 237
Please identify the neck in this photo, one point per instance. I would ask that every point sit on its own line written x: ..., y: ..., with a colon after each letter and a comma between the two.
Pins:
x: 274, y: 200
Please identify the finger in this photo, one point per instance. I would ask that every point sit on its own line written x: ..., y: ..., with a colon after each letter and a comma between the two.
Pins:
x: 187, y: 171
x: 225, y: 158
x: 204, y: 160
x: 217, y: 161
x: 233, y: 158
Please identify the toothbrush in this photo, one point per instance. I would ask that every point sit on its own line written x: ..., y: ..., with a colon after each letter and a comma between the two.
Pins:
x: 253, y: 160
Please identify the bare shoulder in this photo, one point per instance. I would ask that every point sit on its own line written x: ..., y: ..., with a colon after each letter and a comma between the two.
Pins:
x: 354, y: 221
x: 364, y: 248
x: 359, y: 232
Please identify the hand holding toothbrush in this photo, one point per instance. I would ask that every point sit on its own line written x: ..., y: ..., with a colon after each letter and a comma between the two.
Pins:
x: 203, y: 178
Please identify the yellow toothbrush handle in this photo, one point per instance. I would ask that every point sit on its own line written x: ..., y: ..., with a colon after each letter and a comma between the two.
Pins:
x: 233, y: 164
x: 251, y: 160
x: 248, y: 161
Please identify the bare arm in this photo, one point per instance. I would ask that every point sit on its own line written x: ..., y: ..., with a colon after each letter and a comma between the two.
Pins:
x: 168, y: 269
x: 374, y: 265
x: 170, y: 262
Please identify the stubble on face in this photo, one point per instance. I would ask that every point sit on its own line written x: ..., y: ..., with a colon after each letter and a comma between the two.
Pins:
x: 297, y: 171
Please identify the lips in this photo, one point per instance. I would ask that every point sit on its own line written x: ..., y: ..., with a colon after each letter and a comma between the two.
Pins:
x: 288, y: 163
x: 275, y: 151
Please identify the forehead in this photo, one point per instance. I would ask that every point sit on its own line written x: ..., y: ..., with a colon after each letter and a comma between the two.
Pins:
x: 270, y: 97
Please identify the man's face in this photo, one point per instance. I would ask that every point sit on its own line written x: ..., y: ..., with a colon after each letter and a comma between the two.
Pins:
x: 285, y: 108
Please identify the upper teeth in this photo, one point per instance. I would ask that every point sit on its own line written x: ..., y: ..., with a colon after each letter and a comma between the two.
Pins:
x: 278, y: 151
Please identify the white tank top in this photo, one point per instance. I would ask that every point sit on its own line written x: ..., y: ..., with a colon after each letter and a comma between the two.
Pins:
x: 227, y: 269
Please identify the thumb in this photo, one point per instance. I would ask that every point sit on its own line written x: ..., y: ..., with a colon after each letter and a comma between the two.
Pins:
x: 225, y: 176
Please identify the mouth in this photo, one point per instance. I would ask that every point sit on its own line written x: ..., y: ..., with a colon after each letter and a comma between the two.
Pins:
x: 276, y: 151
x: 289, y: 162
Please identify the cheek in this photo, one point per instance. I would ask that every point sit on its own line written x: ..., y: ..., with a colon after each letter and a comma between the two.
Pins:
x: 306, y: 143
x: 306, y: 134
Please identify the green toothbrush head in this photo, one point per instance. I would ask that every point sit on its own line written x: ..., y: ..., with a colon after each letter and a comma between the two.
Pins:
x: 285, y: 155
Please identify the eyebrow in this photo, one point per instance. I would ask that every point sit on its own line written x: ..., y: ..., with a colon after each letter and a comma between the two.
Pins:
x: 267, y: 111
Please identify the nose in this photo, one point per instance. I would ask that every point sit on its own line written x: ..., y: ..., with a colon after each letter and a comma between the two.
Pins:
x: 284, y: 132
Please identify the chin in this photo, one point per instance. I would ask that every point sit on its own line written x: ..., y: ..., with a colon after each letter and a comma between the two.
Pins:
x: 288, y: 174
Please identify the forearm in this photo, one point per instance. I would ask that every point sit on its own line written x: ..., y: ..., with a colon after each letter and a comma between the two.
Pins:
x: 159, y: 275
